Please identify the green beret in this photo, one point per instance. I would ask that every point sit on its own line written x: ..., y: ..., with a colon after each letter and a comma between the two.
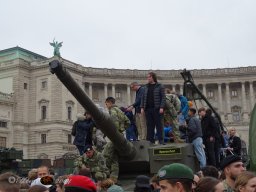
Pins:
x: 175, y: 171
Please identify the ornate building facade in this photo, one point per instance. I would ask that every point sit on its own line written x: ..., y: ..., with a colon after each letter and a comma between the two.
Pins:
x: 37, y: 111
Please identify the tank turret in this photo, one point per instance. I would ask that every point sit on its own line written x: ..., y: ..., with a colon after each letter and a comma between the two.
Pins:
x: 138, y: 156
x: 103, y: 121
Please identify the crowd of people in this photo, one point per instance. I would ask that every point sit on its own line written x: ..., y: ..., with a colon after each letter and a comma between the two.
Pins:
x: 232, y: 177
x: 161, y: 116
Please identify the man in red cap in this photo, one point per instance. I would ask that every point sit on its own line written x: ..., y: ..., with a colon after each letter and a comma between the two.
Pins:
x: 79, y: 183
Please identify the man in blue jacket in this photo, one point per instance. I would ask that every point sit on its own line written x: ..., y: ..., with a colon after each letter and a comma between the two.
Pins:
x: 195, y: 136
x: 140, y: 119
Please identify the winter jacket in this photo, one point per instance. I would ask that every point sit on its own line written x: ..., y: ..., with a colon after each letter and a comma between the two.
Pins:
x: 194, y: 128
x: 83, y: 131
x: 159, y: 96
x: 139, y: 95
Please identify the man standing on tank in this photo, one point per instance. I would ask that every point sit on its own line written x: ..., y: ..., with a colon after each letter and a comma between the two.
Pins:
x: 152, y: 104
x: 140, y: 119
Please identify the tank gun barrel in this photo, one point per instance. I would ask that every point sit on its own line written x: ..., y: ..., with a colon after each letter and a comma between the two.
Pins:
x: 102, y: 121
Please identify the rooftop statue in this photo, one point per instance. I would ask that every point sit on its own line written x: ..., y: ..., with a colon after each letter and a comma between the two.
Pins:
x: 56, y: 45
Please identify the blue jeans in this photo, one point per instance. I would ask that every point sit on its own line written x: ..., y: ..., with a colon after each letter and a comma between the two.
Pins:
x: 199, y: 151
x: 131, y: 133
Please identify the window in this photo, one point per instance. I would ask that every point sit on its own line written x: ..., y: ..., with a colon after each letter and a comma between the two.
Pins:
x: 236, y: 116
x: 236, y: 113
x: 2, y: 141
x: 3, y: 124
x: 44, y: 84
x: 69, y: 113
x: 234, y: 93
x: 43, y: 138
x: 95, y: 95
x: 69, y: 109
x: 118, y: 95
x: 43, y: 112
x: 210, y: 94
x: 25, y: 86
x: 69, y: 139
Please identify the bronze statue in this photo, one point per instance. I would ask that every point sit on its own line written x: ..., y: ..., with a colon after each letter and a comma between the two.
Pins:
x: 57, y: 47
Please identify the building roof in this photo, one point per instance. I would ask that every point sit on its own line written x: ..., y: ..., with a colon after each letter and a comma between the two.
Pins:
x: 19, y: 53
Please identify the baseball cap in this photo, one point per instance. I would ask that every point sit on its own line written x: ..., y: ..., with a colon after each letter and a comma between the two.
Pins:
x: 142, y: 181
x: 228, y: 160
x: 175, y: 171
x: 80, y: 182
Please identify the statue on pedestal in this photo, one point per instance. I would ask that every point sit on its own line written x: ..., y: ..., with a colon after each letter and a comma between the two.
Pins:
x: 56, y: 45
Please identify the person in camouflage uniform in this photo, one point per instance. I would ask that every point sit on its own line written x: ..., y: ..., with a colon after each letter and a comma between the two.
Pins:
x: 172, y: 107
x: 94, y: 161
x: 121, y: 122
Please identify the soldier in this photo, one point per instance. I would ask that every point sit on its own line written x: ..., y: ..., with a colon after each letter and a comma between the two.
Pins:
x: 121, y: 122
x: 172, y: 107
x: 232, y: 167
x: 93, y: 161
x: 175, y: 177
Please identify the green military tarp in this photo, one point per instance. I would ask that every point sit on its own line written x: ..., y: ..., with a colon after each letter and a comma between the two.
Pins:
x: 252, y: 140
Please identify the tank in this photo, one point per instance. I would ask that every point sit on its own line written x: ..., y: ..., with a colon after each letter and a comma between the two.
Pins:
x: 103, y: 122
x: 135, y: 157
x: 8, y: 159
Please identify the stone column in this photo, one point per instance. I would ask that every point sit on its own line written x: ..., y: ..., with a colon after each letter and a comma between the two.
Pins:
x: 90, y: 90
x: 244, y: 103
x: 220, y: 98
x: 251, y: 95
x: 173, y: 88
x: 128, y: 94
x: 113, y: 90
x: 181, y: 89
x: 204, y: 90
x: 228, y: 103
x: 105, y: 90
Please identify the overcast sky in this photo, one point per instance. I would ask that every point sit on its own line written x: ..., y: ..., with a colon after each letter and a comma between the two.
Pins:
x: 135, y: 34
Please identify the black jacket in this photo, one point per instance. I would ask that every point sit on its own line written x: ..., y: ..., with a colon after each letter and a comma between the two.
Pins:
x: 159, y: 96
x: 235, y: 143
x: 209, y: 128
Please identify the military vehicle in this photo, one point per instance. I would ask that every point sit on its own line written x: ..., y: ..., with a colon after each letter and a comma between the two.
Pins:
x: 9, y: 159
x: 135, y: 157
